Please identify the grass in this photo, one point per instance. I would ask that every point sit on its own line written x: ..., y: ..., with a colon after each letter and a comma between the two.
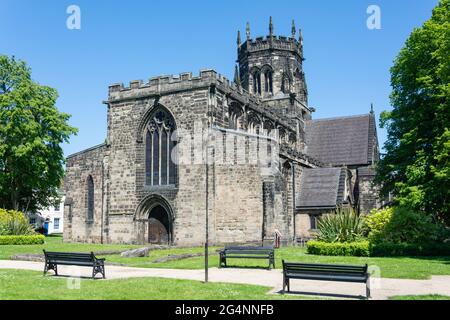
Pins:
x: 426, y: 297
x: 390, y: 267
x: 31, y: 285
x: 55, y: 243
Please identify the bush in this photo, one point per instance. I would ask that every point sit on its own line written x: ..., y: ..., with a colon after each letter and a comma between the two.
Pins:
x: 405, y: 249
x: 14, y: 223
x: 22, y: 240
x: 376, y: 222
x: 403, y: 225
x: 342, y: 226
x: 358, y: 249
x: 366, y: 249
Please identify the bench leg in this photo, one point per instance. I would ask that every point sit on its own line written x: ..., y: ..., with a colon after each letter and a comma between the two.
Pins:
x: 50, y: 266
x: 368, y: 289
x: 98, y: 269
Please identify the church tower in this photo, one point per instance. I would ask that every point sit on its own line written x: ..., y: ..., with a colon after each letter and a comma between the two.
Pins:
x: 271, y: 67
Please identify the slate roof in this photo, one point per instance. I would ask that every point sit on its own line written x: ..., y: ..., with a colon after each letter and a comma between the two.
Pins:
x: 321, y: 187
x: 342, y: 141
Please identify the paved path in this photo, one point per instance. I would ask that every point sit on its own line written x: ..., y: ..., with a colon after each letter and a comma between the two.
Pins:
x: 381, y: 288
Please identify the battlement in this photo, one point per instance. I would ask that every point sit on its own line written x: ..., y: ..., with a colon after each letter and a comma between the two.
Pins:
x: 172, y: 83
x: 271, y: 42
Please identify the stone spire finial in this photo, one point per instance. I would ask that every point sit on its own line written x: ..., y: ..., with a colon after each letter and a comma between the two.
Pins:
x: 239, y: 38
x: 248, y: 31
x: 271, y: 26
x: 300, y: 38
x: 237, y: 78
x: 294, y: 29
x: 371, y: 109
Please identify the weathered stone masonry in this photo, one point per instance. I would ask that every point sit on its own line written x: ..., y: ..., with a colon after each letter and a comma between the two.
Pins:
x: 253, y: 164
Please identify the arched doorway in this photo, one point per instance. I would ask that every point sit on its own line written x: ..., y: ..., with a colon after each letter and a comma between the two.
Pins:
x: 159, y: 226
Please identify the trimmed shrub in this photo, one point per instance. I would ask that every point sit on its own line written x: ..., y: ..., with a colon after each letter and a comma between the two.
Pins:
x: 342, y: 226
x: 22, y: 240
x: 358, y: 249
x: 405, y: 249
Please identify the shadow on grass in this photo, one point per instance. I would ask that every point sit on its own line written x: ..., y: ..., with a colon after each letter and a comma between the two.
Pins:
x: 66, y: 276
x: 322, y: 295
x: 246, y: 267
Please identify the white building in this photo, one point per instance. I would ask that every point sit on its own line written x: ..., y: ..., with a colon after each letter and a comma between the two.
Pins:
x: 54, y: 216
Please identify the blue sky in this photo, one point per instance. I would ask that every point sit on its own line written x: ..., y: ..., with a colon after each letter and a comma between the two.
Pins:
x: 347, y: 65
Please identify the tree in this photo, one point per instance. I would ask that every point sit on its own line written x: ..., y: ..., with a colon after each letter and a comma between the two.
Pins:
x: 416, y: 167
x: 31, y: 133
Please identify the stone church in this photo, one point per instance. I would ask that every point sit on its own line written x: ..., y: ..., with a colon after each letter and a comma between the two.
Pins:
x: 244, y: 157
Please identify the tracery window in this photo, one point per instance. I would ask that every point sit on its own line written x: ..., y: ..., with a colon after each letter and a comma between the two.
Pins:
x: 160, y: 160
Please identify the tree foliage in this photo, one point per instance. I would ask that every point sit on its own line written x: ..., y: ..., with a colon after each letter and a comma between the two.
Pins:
x: 416, y: 167
x: 403, y: 225
x: 31, y: 133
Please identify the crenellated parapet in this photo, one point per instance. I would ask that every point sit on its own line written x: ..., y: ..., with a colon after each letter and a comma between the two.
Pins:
x: 280, y: 43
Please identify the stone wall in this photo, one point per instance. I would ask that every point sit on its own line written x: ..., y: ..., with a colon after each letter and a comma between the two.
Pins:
x: 78, y: 168
x: 368, y: 192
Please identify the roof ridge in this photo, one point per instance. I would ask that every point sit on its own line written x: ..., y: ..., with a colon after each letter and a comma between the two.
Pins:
x: 341, y: 117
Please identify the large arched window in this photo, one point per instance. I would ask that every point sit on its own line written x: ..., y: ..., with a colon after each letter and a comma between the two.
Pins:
x: 160, y: 160
x: 90, y: 198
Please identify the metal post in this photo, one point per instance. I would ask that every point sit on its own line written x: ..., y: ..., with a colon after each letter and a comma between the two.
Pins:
x: 206, y: 218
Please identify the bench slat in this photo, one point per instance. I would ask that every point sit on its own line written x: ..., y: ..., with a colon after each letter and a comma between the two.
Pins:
x: 292, y: 264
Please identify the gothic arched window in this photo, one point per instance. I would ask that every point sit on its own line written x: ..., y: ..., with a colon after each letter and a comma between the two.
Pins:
x: 256, y: 82
x: 268, y: 86
x: 286, y: 84
x: 90, y: 198
x: 160, y: 162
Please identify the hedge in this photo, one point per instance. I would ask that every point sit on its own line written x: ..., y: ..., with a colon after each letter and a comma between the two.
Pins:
x: 22, y: 240
x: 366, y: 249
x: 358, y: 249
x: 406, y: 249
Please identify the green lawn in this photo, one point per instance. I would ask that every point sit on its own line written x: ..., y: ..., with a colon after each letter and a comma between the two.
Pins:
x: 427, y: 297
x: 55, y: 243
x: 31, y: 285
x: 392, y: 267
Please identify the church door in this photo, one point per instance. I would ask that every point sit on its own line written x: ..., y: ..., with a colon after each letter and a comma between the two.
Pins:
x: 159, y: 228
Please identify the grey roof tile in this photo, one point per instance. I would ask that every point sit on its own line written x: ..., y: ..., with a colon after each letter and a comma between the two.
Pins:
x: 341, y: 141
x: 321, y: 187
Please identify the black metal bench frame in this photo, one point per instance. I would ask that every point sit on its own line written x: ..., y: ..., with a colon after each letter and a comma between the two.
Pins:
x: 247, y: 252
x: 53, y: 259
x: 325, y: 272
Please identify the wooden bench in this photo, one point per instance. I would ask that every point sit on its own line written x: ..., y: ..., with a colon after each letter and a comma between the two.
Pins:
x: 247, y: 252
x: 53, y: 259
x: 325, y: 272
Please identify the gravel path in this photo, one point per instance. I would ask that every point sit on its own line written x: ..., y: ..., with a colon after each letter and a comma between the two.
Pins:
x: 382, y: 288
